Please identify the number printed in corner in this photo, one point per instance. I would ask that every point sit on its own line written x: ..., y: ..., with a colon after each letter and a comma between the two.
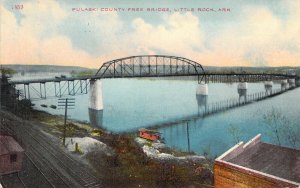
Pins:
x: 18, y: 7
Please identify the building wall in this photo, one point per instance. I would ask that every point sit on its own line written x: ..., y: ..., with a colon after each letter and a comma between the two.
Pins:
x: 7, y: 167
x: 226, y: 176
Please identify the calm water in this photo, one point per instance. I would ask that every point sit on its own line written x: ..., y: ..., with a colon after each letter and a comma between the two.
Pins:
x: 133, y: 103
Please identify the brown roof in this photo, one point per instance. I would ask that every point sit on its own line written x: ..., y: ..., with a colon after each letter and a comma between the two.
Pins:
x: 8, y: 145
x: 271, y: 159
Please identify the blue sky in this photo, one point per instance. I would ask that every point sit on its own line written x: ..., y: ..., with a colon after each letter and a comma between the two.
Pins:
x: 252, y: 33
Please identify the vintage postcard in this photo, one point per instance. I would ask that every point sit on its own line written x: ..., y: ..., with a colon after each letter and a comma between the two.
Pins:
x: 149, y: 93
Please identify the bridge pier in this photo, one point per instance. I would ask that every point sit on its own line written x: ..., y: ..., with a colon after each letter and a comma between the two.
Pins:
x: 242, y: 90
x: 268, y: 87
x: 95, y: 100
x: 284, y: 85
x: 292, y: 82
x: 201, y: 96
x: 96, y: 117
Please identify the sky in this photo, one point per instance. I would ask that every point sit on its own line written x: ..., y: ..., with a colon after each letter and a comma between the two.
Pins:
x: 86, y: 33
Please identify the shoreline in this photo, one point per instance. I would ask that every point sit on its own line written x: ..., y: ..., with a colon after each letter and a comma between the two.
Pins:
x: 129, y: 160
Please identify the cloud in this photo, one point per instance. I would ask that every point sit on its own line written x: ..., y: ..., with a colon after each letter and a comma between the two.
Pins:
x: 49, y: 33
x: 30, y: 42
x: 179, y: 34
x: 259, y: 39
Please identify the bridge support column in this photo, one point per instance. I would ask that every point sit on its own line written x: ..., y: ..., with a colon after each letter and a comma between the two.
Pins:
x: 268, y: 87
x: 96, y: 101
x: 242, y: 90
x: 292, y: 82
x: 284, y: 85
x: 96, y: 117
x: 201, y: 96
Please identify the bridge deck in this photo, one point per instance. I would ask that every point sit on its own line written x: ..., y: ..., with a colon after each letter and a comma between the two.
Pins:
x: 262, y: 77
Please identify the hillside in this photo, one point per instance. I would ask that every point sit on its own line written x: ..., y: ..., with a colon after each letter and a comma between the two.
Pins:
x: 45, y: 68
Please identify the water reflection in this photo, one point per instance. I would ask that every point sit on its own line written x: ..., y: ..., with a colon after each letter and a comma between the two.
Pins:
x: 242, y: 94
x: 96, y: 117
x: 202, y: 103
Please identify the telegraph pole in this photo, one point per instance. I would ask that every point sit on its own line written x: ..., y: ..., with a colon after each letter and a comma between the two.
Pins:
x: 188, y: 136
x: 66, y: 104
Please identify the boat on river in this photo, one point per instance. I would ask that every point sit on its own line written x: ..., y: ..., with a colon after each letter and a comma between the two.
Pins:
x: 150, y: 134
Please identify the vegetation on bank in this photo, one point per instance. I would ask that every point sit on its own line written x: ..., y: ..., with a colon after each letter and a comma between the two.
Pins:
x: 7, y: 71
x: 83, y: 73
x: 129, y: 166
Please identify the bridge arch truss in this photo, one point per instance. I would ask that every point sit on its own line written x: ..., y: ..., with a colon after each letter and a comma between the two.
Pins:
x: 150, y: 66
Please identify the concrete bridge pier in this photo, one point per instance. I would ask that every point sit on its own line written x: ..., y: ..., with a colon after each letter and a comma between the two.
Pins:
x: 292, y: 83
x: 242, y: 90
x: 284, y: 85
x: 268, y: 87
x: 96, y: 117
x: 96, y: 103
x: 95, y: 100
x: 201, y: 96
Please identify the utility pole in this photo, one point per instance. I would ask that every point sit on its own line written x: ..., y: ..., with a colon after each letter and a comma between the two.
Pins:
x: 66, y: 104
x: 188, y: 136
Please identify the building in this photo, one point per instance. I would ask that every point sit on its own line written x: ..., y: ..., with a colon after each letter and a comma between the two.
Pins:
x: 11, y: 155
x: 258, y: 164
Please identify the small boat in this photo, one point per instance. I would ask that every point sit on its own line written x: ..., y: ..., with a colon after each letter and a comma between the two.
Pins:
x: 150, y: 134
x: 44, y: 105
x: 53, y: 106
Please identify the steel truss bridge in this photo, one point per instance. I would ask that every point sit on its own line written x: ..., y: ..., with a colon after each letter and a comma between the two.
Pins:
x: 136, y: 67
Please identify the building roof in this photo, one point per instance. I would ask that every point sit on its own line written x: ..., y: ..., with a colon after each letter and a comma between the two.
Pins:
x: 271, y: 159
x: 278, y: 161
x: 8, y: 145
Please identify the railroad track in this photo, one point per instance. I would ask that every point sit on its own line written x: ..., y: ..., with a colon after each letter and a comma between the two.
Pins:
x: 30, y: 176
x: 67, y: 164
x: 65, y: 172
x: 11, y: 180
x: 22, y: 182
x: 52, y: 174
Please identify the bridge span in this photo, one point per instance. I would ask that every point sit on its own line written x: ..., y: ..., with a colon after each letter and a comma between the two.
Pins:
x: 146, y: 66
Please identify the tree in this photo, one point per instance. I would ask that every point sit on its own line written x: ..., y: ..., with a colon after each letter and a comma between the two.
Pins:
x: 281, y: 128
x: 292, y: 132
x: 235, y: 132
x: 274, y: 120
x: 7, y: 71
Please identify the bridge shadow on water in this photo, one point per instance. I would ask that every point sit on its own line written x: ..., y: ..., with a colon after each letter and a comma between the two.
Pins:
x: 205, y: 110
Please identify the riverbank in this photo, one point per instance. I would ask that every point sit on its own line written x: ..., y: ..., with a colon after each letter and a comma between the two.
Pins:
x: 120, y: 160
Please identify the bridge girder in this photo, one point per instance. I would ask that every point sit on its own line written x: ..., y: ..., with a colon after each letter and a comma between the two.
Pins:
x: 150, y: 66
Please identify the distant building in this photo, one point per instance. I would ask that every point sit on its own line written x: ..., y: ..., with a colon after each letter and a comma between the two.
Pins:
x: 258, y: 164
x: 11, y: 155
